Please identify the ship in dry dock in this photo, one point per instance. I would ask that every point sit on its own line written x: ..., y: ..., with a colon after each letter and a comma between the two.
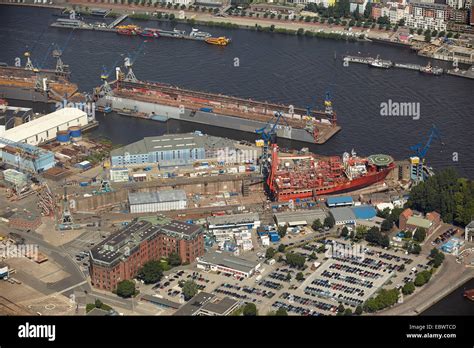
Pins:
x: 31, y: 83
x: 170, y: 102
x: 305, y: 175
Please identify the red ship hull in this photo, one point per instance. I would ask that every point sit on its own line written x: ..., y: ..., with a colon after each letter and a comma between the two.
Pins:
x: 355, y: 184
x: 469, y: 294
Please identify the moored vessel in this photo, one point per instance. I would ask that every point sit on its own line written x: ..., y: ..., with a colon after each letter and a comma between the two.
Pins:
x: 220, y: 41
x: 469, y: 294
x: 297, y: 176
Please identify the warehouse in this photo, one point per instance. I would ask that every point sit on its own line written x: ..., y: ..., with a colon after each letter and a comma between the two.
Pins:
x: 150, y: 202
x: 343, y: 216
x: 299, y: 217
x: 227, y: 263
x: 183, y: 149
x: 45, y: 128
x: 119, y: 175
x: 341, y: 201
x: 248, y: 220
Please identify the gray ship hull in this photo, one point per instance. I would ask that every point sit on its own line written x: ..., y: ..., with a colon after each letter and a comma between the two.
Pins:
x: 9, y: 92
x: 202, y: 117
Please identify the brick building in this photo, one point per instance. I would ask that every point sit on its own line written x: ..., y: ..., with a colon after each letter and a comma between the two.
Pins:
x: 121, y: 255
x: 408, y: 221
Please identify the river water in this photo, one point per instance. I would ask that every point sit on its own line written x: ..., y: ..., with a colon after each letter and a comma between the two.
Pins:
x: 454, y: 303
x: 271, y: 67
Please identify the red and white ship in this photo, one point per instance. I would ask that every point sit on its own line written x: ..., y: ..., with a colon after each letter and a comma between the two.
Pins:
x: 297, y: 176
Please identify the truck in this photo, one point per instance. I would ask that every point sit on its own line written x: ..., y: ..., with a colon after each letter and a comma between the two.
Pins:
x: 206, y: 109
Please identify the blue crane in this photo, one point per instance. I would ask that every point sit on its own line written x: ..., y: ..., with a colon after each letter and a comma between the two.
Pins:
x: 269, y: 136
x: 419, y: 149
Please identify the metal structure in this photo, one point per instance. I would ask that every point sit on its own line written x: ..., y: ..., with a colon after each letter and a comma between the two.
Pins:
x: 29, y: 63
x: 66, y: 216
x: 130, y: 76
x: 25, y: 150
x: 418, y: 170
x: 46, y: 200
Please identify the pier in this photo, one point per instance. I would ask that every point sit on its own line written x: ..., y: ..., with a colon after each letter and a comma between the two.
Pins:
x: 118, y: 21
x: 469, y: 73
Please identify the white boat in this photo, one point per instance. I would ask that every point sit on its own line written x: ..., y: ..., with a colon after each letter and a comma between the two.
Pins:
x: 199, y: 34
x: 379, y: 63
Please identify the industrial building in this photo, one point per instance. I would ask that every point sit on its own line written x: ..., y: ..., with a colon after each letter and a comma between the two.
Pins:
x: 183, y: 149
x: 150, y: 202
x: 411, y: 221
x: 299, y: 217
x: 469, y: 231
x: 227, y: 263
x: 341, y: 201
x: 206, y: 304
x: 121, y: 255
x: 46, y: 127
x: 248, y: 220
x: 26, y: 157
x: 350, y: 215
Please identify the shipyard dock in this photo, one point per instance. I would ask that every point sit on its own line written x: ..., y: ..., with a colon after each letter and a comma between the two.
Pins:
x: 161, y: 102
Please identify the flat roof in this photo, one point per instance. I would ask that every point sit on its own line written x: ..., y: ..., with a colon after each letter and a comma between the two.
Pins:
x: 156, y: 197
x: 364, y: 212
x: 220, y: 305
x: 343, y: 214
x: 339, y: 200
x: 171, y: 142
x: 194, y: 304
x: 233, y: 219
x: 43, y: 123
x: 160, y: 301
x: 230, y: 261
x: 300, y: 215
x: 419, y: 222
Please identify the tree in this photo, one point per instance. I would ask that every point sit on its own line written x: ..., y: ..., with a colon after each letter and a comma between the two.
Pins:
x: 250, y: 310
x: 401, y: 22
x: 299, y: 276
x: 419, y: 235
x: 270, y: 253
x: 281, y: 312
x: 428, y: 37
x: 422, y: 278
x: 358, y: 310
x: 368, y: 10
x: 408, y: 288
x: 295, y: 260
x: 281, y: 248
x: 341, y: 308
x: 174, y: 259
x: 408, y: 234
x: 437, y: 257
x: 347, y: 312
x: 172, y: 17
x: 300, y: 32
x: 282, y: 230
x: 344, y: 232
x: 386, y: 225
x: 329, y: 221
x: 98, y: 303
x: 414, y: 248
x: 419, y: 31
x: 126, y: 288
x: 151, y: 272
x: 288, y: 276
x: 190, y: 289
x: 316, y: 225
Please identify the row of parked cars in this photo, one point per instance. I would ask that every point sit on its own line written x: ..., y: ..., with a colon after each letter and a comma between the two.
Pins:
x: 351, y: 280
x: 338, y: 286
x: 355, y: 270
x: 295, y: 309
x: 315, y: 291
x: 444, y: 236
x: 270, y: 284
x: 278, y: 276
x: 309, y: 302
x: 236, y: 295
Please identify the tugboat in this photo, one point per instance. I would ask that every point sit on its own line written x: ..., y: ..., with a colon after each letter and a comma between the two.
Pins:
x: 379, y: 63
x: 431, y: 70
x: 220, y: 41
x: 469, y: 294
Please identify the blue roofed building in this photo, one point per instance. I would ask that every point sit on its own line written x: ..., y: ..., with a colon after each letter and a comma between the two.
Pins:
x: 364, y: 212
x: 341, y: 201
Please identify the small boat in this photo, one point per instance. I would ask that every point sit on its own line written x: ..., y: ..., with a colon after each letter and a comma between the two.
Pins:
x: 220, y: 41
x: 379, y: 63
x: 149, y: 33
x: 431, y: 70
x: 469, y: 294
x: 128, y: 32
x: 201, y: 35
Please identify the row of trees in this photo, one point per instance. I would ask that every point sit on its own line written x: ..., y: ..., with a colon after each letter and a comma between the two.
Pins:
x: 384, y: 299
x: 446, y: 193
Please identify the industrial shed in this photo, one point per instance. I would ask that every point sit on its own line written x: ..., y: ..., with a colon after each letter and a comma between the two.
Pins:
x: 299, y: 217
x: 45, y: 127
x: 150, y: 202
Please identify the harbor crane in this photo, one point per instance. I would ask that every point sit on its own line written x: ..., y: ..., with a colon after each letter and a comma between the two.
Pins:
x: 129, y: 60
x: 61, y: 68
x: 418, y: 160
x: 268, y: 136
